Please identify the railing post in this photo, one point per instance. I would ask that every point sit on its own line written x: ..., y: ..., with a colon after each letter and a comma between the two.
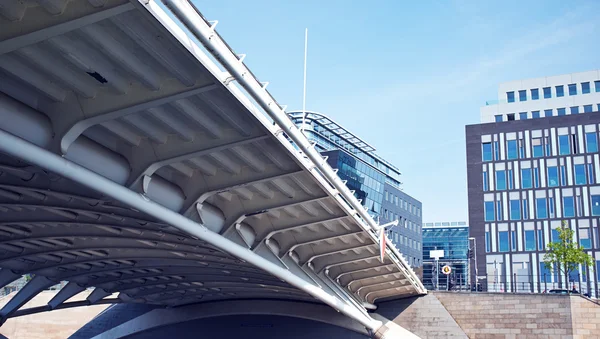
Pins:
x: 515, y: 282
x: 545, y: 284
x: 579, y: 278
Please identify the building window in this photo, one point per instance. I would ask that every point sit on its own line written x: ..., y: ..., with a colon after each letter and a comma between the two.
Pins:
x: 552, y: 176
x: 510, y: 96
x: 515, y: 210
x: 575, y: 110
x: 591, y: 173
x: 487, y: 151
x: 530, y: 240
x: 503, y: 241
x: 536, y: 177
x: 526, y: 178
x: 585, y: 87
x: 547, y: 113
x: 587, y: 108
x: 547, y: 92
x: 540, y: 206
x: 551, y: 207
x: 535, y: 94
x: 513, y: 240
x: 485, y: 182
x: 525, y: 209
x: 496, y: 150
x: 580, y: 177
x: 563, y: 175
x: 547, y: 144
x: 597, y: 85
x: 554, y: 234
x: 511, y: 152
x: 499, y: 214
x: 487, y: 242
x: 595, y: 205
x: 523, y: 95
x: 540, y: 238
x: 545, y: 273
x: 561, y: 111
x: 489, y: 211
x: 572, y: 89
x: 560, y: 91
x: 538, y: 150
x: 510, y: 117
x: 591, y: 142
x: 498, y: 117
x: 521, y: 149
x: 523, y: 115
x: 386, y: 196
x: 535, y: 114
x: 501, y: 180
x: 510, y: 179
x: 569, y: 207
x: 564, y: 146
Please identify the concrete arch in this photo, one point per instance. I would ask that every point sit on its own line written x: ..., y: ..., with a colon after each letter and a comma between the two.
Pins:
x: 171, y: 316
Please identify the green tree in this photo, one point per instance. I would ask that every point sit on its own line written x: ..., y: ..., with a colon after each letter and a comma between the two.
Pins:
x: 565, y: 254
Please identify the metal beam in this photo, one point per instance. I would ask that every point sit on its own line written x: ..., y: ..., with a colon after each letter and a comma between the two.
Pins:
x: 362, y: 257
x: 316, y: 239
x: 349, y: 284
x: 155, y: 166
x: 80, y: 126
x: 65, y: 293
x: 30, y: 290
x: 75, y: 17
x: 272, y: 206
x: 362, y: 270
x: 7, y: 276
x: 330, y: 252
x: 28, y: 152
x: 230, y: 187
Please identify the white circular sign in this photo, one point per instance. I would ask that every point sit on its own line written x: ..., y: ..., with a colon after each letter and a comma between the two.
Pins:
x: 446, y: 269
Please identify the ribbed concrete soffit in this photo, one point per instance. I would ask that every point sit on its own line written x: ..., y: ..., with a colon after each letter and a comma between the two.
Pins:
x: 118, y: 88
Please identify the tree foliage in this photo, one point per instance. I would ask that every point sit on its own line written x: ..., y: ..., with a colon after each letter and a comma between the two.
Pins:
x: 565, y: 254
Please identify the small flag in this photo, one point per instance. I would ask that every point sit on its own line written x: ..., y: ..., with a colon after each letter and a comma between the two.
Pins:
x: 382, y: 244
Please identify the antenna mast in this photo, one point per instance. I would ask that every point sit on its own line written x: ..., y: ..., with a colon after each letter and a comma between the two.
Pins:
x: 304, y: 93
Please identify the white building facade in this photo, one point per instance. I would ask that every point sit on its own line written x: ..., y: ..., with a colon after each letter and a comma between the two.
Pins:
x: 544, y: 97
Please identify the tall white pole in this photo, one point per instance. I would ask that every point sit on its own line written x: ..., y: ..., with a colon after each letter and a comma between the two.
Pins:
x: 304, y: 91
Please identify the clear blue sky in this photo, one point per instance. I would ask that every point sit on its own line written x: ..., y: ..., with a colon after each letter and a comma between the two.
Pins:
x: 407, y: 77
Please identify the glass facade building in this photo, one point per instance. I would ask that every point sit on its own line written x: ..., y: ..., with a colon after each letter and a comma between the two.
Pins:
x: 525, y: 177
x: 366, y: 182
x: 453, y: 239
x: 375, y: 181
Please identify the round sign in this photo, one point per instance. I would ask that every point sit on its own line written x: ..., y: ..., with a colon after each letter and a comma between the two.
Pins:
x: 446, y: 269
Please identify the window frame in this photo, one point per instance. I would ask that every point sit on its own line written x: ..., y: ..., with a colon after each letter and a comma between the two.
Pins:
x: 510, y: 96
x: 547, y: 91
x: 572, y: 89
x: 535, y: 93
x: 585, y: 87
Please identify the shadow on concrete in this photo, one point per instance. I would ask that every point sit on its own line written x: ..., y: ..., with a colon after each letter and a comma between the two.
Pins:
x: 392, y: 308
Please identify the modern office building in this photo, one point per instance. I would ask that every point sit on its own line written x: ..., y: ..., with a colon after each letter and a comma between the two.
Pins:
x: 453, y: 239
x: 375, y: 181
x: 532, y: 163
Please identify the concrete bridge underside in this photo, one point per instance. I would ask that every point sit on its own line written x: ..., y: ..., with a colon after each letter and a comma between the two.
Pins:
x: 140, y: 157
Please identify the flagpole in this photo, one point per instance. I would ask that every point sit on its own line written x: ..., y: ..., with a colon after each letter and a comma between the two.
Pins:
x: 304, y: 87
